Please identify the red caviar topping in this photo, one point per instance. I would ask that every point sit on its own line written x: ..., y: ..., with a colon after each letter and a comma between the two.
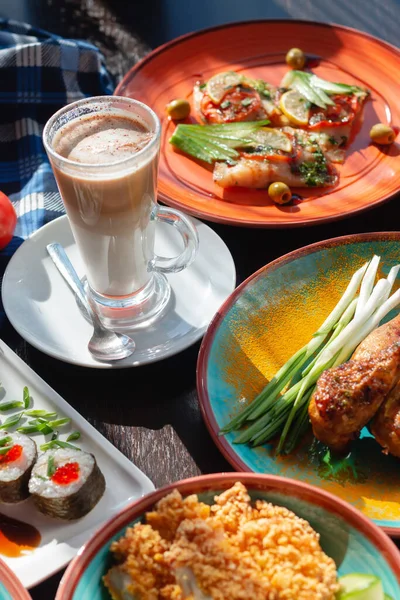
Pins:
x: 66, y: 474
x: 13, y: 454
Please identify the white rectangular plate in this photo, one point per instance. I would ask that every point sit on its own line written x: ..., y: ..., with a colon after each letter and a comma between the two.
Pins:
x: 61, y: 540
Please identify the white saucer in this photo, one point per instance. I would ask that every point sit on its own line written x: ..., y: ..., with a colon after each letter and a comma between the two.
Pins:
x: 43, y: 310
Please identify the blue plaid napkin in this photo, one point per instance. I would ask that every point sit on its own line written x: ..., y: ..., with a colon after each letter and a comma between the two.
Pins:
x: 39, y: 73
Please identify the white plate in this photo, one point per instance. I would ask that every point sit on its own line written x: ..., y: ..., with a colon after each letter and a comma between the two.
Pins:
x: 124, y: 482
x: 42, y: 309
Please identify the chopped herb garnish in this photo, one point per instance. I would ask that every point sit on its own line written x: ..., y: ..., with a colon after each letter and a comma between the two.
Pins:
x: 256, y: 84
x: 57, y: 444
x: 26, y: 397
x: 10, y: 405
x: 29, y: 429
x: 247, y: 101
x: 332, y: 140
x: 75, y: 435
x: 225, y: 104
x: 11, y: 421
x: 55, y: 436
x: 267, y: 94
x: 40, y: 413
x: 5, y: 440
x: 344, y: 141
x: 202, y: 86
x: 51, y: 467
x: 45, y: 428
x: 315, y: 173
x: 48, y: 445
x: 41, y: 477
x: 36, y: 426
x: 5, y: 450
x: 327, y: 457
x: 59, y: 422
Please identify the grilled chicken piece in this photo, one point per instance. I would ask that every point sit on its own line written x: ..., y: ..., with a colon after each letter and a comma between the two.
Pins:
x: 386, y: 423
x: 348, y: 396
x: 380, y: 338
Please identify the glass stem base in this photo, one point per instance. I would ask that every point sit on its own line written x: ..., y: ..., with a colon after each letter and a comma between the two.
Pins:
x: 136, y: 311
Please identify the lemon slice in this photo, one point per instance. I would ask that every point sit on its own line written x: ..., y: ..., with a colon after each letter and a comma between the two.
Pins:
x: 295, y: 107
x: 218, y: 85
x: 359, y: 586
x: 265, y: 136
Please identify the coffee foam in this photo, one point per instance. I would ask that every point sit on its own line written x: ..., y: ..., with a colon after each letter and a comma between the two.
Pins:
x: 101, y: 138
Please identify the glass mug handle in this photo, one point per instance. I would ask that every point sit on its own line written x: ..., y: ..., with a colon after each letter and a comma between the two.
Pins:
x: 190, y: 238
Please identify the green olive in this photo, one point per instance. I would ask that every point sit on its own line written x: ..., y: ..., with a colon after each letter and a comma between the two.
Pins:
x: 295, y: 58
x: 178, y: 109
x: 382, y: 134
x: 280, y: 193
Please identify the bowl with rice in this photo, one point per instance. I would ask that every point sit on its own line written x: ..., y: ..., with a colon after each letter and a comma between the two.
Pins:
x: 236, y: 536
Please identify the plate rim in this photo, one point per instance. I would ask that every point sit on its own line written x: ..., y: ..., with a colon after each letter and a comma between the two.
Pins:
x: 232, y: 221
x: 12, y: 583
x: 203, y: 358
x: 103, y: 366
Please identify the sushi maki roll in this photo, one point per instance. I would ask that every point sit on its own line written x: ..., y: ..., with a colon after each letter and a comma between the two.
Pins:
x: 17, y: 456
x: 66, y: 483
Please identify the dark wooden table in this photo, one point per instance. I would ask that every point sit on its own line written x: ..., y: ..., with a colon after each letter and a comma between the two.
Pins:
x: 152, y: 413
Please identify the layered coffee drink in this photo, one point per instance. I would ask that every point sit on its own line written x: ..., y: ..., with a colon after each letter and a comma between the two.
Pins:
x: 110, y: 209
x: 104, y: 153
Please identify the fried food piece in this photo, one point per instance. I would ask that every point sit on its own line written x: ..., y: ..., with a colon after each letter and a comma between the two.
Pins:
x: 143, y: 571
x: 214, y: 565
x: 232, y: 508
x: 172, y: 510
x: 237, y: 552
x: 386, y: 423
x: 348, y: 396
x: 264, y: 552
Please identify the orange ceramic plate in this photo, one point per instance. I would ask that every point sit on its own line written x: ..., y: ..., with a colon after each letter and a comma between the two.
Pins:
x: 370, y: 175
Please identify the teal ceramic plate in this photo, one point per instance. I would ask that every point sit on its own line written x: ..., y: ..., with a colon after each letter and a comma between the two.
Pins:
x: 265, y: 320
x: 352, y: 540
x: 10, y: 586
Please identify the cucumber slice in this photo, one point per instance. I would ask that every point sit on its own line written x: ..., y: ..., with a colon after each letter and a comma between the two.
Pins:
x: 333, y: 88
x: 360, y: 586
x: 211, y: 143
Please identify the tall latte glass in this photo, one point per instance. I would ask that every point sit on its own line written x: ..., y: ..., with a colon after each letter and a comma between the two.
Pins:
x: 104, y: 154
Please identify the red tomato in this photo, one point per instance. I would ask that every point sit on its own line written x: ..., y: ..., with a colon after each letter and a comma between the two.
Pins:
x: 8, y: 220
x: 342, y: 113
x: 238, y: 105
